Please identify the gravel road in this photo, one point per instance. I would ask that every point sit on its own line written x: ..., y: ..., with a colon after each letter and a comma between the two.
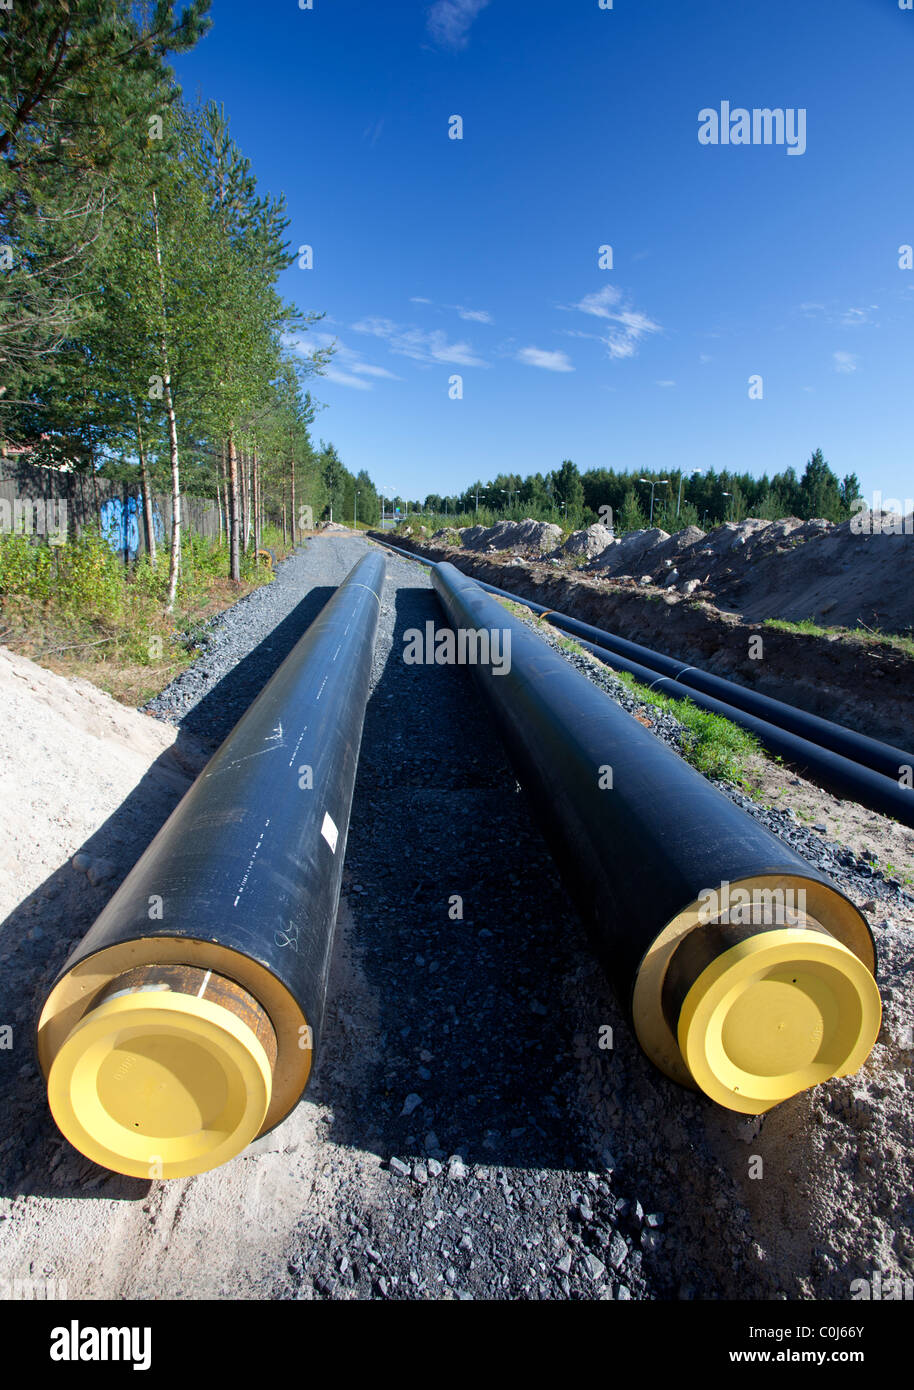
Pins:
x: 465, y: 1135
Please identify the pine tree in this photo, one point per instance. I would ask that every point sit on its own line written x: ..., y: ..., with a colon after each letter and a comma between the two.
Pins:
x: 80, y: 84
x: 631, y: 517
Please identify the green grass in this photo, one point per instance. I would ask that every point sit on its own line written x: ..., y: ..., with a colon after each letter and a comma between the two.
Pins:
x: 709, y: 742
x: 79, y: 610
x: 862, y: 636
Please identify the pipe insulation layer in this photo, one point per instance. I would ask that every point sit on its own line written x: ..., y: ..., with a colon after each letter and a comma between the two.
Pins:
x: 851, y: 765
x: 185, y: 1022
x: 745, y: 971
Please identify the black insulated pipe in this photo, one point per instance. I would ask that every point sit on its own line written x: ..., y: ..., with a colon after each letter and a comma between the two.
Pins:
x: 851, y: 765
x: 847, y: 743
x: 845, y: 779
x: 651, y: 852
x: 185, y: 1022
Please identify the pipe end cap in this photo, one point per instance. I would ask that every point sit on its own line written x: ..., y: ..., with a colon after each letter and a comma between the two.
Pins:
x: 776, y: 1014
x: 160, y: 1085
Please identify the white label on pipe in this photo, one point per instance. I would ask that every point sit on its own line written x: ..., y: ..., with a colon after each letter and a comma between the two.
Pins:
x: 330, y: 832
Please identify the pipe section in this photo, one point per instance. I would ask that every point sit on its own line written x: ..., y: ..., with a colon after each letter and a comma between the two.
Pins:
x: 847, y: 743
x: 185, y: 1023
x: 745, y: 971
x: 849, y: 764
x: 838, y: 775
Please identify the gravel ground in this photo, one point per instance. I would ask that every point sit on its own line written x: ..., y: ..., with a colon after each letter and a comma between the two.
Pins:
x: 465, y: 1136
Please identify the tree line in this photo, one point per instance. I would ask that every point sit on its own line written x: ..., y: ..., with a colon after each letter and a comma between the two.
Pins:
x: 671, y: 499
x: 142, y: 335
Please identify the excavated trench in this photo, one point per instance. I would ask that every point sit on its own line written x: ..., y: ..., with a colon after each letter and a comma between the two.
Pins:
x: 861, y: 686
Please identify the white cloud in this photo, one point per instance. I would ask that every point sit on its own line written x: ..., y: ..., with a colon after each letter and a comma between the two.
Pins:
x: 366, y: 369
x: 666, y: 383
x: 473, y: 315
x: 449, y: 21
x: 844, y: 361
x: 852, y: 317
x: 550, y: 361
x: 331, y: 373
x: 346, y: 367
x: 418, y: 344
x: 608, y: 303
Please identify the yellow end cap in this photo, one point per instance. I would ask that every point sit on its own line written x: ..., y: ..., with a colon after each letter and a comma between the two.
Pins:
x: 779, y: 1012
x: 160, y: 1085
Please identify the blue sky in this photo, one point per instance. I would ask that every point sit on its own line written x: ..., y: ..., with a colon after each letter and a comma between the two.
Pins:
x: 479, y: 257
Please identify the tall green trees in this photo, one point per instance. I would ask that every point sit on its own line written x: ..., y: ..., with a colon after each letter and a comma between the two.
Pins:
x: 332, y: 471
x: 80, y: 83
x: 569, y: 491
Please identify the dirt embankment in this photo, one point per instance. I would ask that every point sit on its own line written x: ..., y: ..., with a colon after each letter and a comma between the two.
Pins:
x: 865, y: 687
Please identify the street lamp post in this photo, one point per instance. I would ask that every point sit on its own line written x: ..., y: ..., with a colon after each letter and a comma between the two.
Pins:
x: 355, y: 511
x: 727, y: 494
x: 691, y: 475
x: 658, y: 483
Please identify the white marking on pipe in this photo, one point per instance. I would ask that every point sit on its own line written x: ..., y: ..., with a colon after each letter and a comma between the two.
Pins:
x: 298, y: 745
x: 202, y: 990
x: 236, y: 762
x: 356, y: 584
x: 251, y: 862
x: 330, y: 832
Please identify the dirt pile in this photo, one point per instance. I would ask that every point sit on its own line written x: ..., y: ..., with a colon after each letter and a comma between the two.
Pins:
x: 592, y: 542
x: 526, y: 537
x: 788, y: 569
x: 85, y: 754
x: 846, y: 575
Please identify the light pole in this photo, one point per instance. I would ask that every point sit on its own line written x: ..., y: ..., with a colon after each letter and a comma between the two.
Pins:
x: 658, y: 483
x: 691, y: 475
x: 727, y: 494
x: 355, y: 511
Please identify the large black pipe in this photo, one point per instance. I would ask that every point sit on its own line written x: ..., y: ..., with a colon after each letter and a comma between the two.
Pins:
x: 186, y: 1021
x: 838, y: 775
x: 866, y: 771
x: 652, y: 853
x: 847, y: 743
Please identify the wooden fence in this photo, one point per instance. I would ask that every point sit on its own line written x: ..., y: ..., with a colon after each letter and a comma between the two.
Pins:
x: 57, y: 504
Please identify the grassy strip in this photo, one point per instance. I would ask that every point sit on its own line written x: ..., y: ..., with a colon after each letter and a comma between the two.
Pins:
x: 78, y: 610
x: 862, y: 636
x: 712, y: 744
